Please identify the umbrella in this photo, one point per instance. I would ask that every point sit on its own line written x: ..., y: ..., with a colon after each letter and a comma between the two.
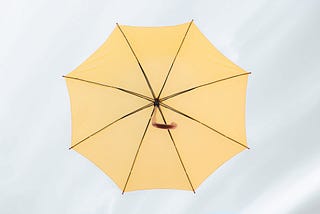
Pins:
x: 158, y: 107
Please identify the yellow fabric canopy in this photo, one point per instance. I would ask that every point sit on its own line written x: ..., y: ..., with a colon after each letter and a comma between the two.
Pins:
x: 176, y: 72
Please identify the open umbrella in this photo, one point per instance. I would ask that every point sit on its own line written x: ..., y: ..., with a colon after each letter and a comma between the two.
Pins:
x: 158, y: 107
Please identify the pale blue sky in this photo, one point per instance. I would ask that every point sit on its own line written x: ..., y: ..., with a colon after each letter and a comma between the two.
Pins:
x: 278, y: 41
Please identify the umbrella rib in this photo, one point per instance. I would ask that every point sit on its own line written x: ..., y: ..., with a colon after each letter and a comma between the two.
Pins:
x: 175, y: 57
x: 110, y: 86
x: 143, y: 72
x: 124, y: 116
x: 199, y: 86
x: 136, y: 155
x: 179, y: 112
x: 175, y: 146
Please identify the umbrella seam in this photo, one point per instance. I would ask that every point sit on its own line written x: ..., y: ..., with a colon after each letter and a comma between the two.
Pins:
x: 179, y: 112
x: 177, y: 151
x: 144, y: 74
x: 136, y: 155
x: 202, y: 85
x: 114, y: 87
x: 117, y: 120
x: 174, y: 59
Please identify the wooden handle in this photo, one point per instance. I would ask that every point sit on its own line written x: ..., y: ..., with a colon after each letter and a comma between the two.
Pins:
x: 173, y: 125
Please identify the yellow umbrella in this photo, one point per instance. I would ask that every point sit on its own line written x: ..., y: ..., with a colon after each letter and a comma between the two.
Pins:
x: 158, y: 107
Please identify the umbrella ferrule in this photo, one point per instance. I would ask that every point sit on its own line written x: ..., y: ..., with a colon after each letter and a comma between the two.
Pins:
x: 156, y: 102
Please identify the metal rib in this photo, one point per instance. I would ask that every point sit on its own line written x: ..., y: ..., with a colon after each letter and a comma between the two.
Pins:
x: 133, y: 112
x: 136, y: 155
x: 175, y: 57
x: 114, y: 87
x: 175, y: 146
x: 179, y: 112
x: 199, y: 86
x: 144, y: 74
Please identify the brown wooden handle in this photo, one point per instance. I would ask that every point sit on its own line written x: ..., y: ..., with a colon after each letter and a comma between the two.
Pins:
x: 173, y: 125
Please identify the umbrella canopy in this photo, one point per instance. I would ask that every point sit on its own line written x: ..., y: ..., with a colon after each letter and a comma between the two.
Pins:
x: 158, y: 107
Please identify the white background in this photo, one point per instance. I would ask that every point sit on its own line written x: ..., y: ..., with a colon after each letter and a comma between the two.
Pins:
x: 278, y: 41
